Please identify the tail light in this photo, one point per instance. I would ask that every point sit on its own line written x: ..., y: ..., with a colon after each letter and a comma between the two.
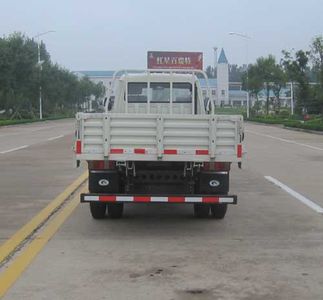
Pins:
x: 101, y: 164
x: 217, y: 166
x: 239, y: 151
x: 78, y: 147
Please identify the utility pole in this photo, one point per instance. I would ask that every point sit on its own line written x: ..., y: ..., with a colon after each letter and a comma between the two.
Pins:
x: 40, y: 69
x: 292, y: 98
x: 246, y: 38
x: 215, y: 70
x: 215, y: 59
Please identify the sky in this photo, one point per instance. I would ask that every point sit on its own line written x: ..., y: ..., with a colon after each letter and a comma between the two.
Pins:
x: 116, y: 34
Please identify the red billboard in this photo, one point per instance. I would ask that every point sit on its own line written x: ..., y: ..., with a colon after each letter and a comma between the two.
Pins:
x: 174, y: 60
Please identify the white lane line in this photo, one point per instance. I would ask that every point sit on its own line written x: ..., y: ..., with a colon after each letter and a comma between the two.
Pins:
x: 296, y: 195
x: 284, y: 140
x: 14, y: 149
x: 55, y: 137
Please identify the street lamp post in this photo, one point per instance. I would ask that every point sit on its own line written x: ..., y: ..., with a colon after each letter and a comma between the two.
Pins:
x: 215, y: 49
x: 292, y: 98
x: 40, y: 69
x: 246, y: 38
x: 292, y: 91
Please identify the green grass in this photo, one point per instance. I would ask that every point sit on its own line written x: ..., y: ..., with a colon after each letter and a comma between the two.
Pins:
x: 315, y: 124
x: 268, y: 119
x: 24, y: 121
x: 230, y: 111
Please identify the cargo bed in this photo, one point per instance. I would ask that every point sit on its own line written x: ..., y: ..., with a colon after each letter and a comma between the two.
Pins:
x: 155, y: 137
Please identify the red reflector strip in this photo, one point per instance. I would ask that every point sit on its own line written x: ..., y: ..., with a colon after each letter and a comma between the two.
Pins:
x: 107, y: 198
x: 210, y: 199
x: 176, y: 199
x: 78, y: 147
x: 116, y: 151
x: 154, y: 151
x: 141, y: 199
x: 239, y: 150
x: 202, y: 152
x: 139, y: 151
x: 166, y: 199
x: 170, y: 151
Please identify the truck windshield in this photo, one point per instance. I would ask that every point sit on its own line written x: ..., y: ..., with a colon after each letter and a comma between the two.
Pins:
x: 137, y: 92
x: 160, y: 92
x: 182, y: 92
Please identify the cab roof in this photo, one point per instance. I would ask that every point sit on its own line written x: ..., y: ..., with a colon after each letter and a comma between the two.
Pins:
x: 162, y: 77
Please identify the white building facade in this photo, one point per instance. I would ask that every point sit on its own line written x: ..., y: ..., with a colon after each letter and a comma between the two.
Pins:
x: 222, y: 81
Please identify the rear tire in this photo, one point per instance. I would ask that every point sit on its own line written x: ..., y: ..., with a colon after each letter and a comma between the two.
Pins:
x: 98, y: 210
x: 201, y: 210
x: 115, y: 210
x: 218, y: 211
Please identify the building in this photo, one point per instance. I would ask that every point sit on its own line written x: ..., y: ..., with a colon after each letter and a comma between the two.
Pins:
x: 223, y: 92
x: 284, y: 96
x: 106, y: 77
x: 222, y: 74
x: 212, y: 86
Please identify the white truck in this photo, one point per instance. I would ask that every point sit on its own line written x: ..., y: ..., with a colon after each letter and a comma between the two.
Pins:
x: 159, y: 141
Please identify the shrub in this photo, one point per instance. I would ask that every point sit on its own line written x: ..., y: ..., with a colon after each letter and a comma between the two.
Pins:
x: 284, y: 114
x: 316, y: 123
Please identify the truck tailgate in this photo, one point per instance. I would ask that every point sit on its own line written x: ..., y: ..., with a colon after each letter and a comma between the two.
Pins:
x: 124, y: 137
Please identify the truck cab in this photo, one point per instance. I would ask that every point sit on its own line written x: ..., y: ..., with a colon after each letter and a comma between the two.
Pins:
x: 159, y: 93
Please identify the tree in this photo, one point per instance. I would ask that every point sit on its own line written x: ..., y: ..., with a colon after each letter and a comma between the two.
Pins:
x: 317, y: 56
x: 280, y: 79
x: 266, y: 73
x: 254, y: 82
x: 297, y: 71
x: 20, y: 78
x: 236, y: 72
x: 266, y: 70
x: 317, y: 59
x: 210, y: 72
x: 20, y: 72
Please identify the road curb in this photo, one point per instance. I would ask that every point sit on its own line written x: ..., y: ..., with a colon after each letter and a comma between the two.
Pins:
x: 304, y: 130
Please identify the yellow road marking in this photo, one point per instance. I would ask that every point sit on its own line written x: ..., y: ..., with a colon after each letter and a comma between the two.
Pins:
x: 19, y: 264
x: 11, y: 244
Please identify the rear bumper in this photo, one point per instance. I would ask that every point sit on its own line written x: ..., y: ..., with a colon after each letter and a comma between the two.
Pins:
x: 124, y: 198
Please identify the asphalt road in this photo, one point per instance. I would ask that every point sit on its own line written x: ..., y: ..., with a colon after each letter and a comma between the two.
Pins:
x: 32, y: 176
x: 269, y: 246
